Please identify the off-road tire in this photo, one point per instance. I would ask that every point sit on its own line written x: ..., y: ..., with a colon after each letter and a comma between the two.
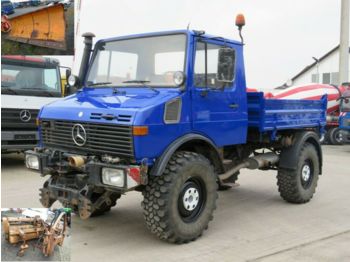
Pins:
x: 162, y: 211
x: 291, y: 185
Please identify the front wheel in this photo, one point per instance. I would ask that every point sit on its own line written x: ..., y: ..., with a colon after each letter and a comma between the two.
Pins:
x: 179, y: 204
x: 299, y: 185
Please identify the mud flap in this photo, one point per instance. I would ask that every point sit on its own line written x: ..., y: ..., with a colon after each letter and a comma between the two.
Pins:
x: 44, y: 27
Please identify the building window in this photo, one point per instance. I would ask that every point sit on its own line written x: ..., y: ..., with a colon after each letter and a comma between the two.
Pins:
x: 335, y: 78
x: 315, y: 78
x: 326, y: 78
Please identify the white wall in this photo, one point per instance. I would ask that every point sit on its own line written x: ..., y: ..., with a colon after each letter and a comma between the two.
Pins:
x: 328, y: 65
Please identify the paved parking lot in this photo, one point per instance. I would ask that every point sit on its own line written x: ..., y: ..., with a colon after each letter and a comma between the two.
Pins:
x: 251, y: 223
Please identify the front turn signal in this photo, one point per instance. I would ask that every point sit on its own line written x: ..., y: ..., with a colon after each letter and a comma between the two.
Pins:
x: 140, y: 130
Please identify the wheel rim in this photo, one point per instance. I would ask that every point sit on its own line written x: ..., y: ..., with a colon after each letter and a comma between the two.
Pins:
x: 192, y: 199
x: 338, y: 137
x: 307, y: 174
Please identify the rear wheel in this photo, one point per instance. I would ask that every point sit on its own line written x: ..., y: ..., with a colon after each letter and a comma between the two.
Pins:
x: 299, y: 185
x: 335, y: 136
x: 179, y: 205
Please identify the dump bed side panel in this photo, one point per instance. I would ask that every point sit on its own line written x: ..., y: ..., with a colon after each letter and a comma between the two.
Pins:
x: 279, y: 114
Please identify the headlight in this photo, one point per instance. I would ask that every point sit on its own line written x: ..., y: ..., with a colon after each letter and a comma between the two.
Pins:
x: 32, y: 162
x: 113, y: 177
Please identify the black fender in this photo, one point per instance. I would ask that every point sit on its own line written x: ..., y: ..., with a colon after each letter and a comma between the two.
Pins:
x: 185, y: 142
x: 289, y: 155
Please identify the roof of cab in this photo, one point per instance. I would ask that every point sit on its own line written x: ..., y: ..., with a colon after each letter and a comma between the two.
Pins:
x: 33, y: 59
x: 172, y: 32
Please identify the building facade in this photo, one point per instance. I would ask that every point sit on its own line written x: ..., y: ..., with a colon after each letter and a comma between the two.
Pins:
x: 324, y: 70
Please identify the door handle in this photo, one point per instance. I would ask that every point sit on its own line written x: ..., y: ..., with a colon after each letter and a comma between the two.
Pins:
x: 233, y: 105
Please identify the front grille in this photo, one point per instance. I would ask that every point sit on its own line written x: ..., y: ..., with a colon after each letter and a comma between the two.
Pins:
x: 11, y: 119
x: 101, y: 139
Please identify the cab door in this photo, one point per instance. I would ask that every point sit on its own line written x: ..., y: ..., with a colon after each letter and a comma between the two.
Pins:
x: 218, y: 107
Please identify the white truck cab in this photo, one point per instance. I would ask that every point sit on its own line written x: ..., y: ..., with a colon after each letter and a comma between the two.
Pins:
x: 27, y: 84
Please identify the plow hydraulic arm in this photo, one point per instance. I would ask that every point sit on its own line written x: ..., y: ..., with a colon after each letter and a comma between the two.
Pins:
x: 55, y: 233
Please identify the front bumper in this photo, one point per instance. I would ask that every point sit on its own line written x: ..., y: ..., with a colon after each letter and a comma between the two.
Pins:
x: 57, y: 163
x: 18, y: 140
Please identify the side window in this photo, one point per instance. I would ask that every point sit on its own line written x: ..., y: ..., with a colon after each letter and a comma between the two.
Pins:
x: 8, y: 77
x: 209, y: 52
x: 50, y: 78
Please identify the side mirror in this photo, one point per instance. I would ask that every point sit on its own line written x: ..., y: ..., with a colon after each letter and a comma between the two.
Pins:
x: 68, y: 73
x: 226, y: 64
x: 179, y: 78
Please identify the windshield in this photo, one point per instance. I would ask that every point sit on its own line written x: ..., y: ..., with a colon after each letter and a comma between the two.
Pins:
x: 30, y: 80
x: 147, y: 60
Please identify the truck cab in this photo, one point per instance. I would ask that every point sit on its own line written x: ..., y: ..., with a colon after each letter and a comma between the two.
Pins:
x: 344, y: 117
x: 27, y: 83
x: 168, y: 114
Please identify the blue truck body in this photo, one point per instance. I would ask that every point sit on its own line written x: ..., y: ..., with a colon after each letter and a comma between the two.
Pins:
x: 344, y: 126
x: 343, y: 131
x: 271, y: 115
x: 176, y: 143
x: 344, y: 121
x: 218, y: 122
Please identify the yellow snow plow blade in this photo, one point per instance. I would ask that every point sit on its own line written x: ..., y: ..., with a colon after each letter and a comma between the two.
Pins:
x: 44, y: 27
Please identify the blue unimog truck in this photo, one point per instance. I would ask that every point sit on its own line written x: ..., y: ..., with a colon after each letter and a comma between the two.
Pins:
x: 168, y: 114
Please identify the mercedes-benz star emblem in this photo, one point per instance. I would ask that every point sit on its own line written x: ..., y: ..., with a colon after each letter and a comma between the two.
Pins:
x: 25, y: 115
x: 79, y: 134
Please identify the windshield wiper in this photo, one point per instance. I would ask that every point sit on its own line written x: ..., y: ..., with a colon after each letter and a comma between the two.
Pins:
x: 137, y: 81
x: 99, y: 83
x: 142, y: 82
x: 9, y: 90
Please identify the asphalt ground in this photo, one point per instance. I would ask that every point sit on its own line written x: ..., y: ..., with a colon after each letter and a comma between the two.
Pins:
x: 9, y: 47
x: 251, y: 223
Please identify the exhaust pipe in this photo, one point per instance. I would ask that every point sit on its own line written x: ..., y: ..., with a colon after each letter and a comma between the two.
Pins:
x: 259, y: 161
x: 76, y: 161
x: 262, y: 160
x: 86, y: 55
